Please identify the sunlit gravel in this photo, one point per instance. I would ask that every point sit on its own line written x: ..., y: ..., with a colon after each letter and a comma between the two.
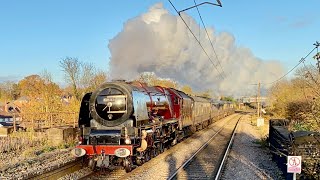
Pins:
x: 15, y: 167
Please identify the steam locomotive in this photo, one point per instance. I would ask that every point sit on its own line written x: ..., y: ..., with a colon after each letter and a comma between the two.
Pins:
x: 127, y: 123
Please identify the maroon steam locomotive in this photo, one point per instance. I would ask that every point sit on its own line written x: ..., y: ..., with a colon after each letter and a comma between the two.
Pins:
x: 128, y: 123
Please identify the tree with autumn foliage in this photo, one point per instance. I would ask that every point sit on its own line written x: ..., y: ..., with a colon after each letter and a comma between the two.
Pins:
x: 228, y: 98
x: 9, y: 91
x: 151, y: 79
x: 187, y: 89
x: 46, y: 102
x: 43, y: 94
x: 298, y: 100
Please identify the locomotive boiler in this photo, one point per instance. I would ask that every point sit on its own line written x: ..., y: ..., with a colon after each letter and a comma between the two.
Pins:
x: 127, y: 123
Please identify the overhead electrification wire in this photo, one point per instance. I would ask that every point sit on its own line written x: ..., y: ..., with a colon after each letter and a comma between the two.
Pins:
x: 208, y: 36
x: 196, y: 39
x: 301, y: 61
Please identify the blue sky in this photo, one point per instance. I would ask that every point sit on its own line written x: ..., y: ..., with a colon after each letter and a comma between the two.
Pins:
x: 35, y: 35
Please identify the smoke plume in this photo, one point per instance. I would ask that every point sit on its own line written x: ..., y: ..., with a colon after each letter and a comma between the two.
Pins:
x: 159, y: 42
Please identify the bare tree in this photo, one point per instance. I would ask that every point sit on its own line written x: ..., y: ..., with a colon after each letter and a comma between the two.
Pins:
x: 82, y: 76
x: 91, y: 77
x: 72, y: 69
x: 99, y: 78
x: 88, y: 72
x: 87, y: 75
x: 148, y: 78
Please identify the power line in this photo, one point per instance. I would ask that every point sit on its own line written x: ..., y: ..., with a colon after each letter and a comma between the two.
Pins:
x: 195, y: 38
x: 208, y: 36
x: 301, y: 61
x: 218, y: 1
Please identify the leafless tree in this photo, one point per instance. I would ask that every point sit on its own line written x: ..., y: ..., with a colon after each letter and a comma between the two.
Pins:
x: 72, y: 69
x: 82, y: 76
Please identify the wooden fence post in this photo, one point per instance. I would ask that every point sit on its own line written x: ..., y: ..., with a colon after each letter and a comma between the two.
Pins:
x: 50, y: 120
x: 74, y: 119
x: 14, y: 123
x: 32, y: 122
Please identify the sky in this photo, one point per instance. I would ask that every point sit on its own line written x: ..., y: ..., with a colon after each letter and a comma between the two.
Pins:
x: 35, y: 35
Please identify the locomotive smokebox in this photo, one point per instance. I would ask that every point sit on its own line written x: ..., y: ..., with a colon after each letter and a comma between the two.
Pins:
x: 111, y: 103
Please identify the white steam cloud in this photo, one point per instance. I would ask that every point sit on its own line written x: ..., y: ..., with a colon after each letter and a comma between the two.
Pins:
x: 159, y: 42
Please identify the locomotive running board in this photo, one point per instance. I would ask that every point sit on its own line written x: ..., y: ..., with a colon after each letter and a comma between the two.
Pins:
x: 164, y: 122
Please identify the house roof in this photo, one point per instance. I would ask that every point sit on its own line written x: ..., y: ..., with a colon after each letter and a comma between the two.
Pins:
x: 5, y: 116
x: 3, y: 113
x: 8, y: 109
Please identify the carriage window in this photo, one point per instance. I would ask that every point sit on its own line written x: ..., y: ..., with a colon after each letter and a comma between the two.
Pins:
x: 176, y: 100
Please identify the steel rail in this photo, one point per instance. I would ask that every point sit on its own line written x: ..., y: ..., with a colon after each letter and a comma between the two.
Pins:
x: 59, y: 172
x: 198, y: 151
x: 227, y: 151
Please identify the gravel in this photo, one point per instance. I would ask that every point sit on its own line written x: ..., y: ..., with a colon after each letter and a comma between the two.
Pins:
x: 14, y: 166
x: 78, y: 174
x: 247, y: 158
x: 167, y: 163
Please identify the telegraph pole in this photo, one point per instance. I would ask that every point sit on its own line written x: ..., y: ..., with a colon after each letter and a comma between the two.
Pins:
x: 317, y: 56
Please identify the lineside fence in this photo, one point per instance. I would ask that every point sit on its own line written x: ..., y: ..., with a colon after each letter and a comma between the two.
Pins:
x: 285, y: 143
x: 42, y: 121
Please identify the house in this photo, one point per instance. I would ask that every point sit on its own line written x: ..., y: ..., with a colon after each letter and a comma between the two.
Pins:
x: 7, y: 112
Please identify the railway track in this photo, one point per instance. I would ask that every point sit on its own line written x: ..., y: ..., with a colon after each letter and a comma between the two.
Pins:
x: 208, y: 161
x: 160, y: 167
x: 111, y: 175
x: 224, y: 159
x: 60, y: 171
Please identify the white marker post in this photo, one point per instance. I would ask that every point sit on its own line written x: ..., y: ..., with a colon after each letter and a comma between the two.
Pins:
x: 294, y: 165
